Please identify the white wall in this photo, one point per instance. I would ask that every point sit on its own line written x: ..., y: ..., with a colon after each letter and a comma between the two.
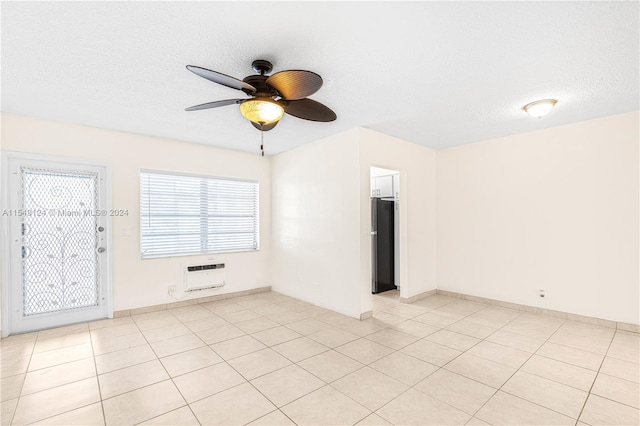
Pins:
x: 315, y: 223
x: 555, y: 209
x: 139, y: 283
x: 377, y: 171
x: 417, y: 167
x: 322, y: 221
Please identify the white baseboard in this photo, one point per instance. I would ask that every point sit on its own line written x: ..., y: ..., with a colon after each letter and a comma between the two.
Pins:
x: 634, y: 328
x: 128, y: 312
x: 365, y: 315
x: 417, y: 296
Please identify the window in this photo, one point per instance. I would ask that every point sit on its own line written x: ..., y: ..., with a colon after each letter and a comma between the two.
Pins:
x: 188, y: 214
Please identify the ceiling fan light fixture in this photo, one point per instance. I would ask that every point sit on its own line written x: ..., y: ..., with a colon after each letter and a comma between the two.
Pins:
x: 261, y: 110
x: 539, y: 109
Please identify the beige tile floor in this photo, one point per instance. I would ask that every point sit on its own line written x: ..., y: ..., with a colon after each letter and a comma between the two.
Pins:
x: 267, y: 359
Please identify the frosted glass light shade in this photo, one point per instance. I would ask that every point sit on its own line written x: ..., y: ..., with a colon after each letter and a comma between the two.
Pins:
x: 539, y: 109
x: 261, y: 111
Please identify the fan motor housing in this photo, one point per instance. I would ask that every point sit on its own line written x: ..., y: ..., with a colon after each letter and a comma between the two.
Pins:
x: 260, y: 83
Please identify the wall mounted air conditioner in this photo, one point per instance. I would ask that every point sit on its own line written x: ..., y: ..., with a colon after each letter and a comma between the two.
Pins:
x: 203, y: 277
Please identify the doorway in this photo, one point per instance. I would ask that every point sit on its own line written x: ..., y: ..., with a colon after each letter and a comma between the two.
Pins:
x: 385, y: 230
x: 56, y: 224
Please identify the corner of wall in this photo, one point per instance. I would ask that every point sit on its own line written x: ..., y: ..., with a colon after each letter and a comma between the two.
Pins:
x: 416, y: 164
x: 315, y: 222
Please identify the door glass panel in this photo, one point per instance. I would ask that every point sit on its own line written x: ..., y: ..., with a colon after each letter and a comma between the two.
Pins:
x: 59, y: 238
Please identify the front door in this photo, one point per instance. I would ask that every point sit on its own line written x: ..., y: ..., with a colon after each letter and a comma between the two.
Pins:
x: 57, y: 238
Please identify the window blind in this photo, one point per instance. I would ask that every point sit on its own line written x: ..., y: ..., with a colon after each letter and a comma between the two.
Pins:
x: 184, y: 214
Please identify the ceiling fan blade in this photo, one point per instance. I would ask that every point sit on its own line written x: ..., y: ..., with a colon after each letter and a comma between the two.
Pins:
x: 295, y: 84
x: 214, y: 104
x: 220, y: 78
x: 308, y: 109
x: 265, y: 127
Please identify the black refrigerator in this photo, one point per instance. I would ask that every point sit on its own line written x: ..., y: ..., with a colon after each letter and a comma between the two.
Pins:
x: 382, y: 245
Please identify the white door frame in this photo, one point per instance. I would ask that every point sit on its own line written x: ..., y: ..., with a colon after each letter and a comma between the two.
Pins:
x: 8, y: 263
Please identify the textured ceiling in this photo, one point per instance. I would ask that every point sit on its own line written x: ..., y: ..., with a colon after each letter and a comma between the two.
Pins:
x: 435, y: 73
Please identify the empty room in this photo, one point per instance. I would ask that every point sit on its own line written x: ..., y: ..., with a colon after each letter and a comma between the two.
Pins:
x: 320, y: 213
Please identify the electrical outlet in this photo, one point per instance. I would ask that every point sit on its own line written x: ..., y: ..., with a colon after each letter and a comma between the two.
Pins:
x: 541, y: 292
x: 171, y: 290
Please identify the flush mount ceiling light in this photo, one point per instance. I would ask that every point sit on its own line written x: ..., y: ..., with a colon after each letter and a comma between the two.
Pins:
x: 539, y: 109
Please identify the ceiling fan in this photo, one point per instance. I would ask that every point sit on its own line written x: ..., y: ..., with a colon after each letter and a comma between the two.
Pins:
x: 270, y: 96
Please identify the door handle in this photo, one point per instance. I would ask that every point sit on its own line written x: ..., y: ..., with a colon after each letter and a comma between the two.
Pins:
x: 101, y: 249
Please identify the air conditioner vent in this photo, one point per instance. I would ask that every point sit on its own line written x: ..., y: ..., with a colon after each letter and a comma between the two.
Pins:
x: 205, y: 267
x: 203, y: 277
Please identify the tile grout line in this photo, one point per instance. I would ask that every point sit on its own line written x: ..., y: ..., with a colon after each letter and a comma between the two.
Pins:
x: 518, y: 369
x: 556, y: 381
x: 133, y: 365
x: 95, y: 366
x: 93, y: 356
x: 413, y: 386
x: 278, y: 369
x: 15, y: 410
x: 53, y: 387
x: 295, y: 363
x: 339, y: 326
x: 552, y: 359
x: 249, y: 381
x: 225, y: 361
x: 463, y: 352
x: 588, y: 392
x: 167, y: 372
x: 325, y: 383
x: 596, y: 378
x: 170, y: 411
x: 439, y: 367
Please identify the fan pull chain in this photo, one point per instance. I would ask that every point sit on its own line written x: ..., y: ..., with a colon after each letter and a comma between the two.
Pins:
x: 261, y: 139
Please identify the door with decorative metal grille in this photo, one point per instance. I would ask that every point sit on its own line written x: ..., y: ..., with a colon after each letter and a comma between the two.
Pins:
x: 58, y: 244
